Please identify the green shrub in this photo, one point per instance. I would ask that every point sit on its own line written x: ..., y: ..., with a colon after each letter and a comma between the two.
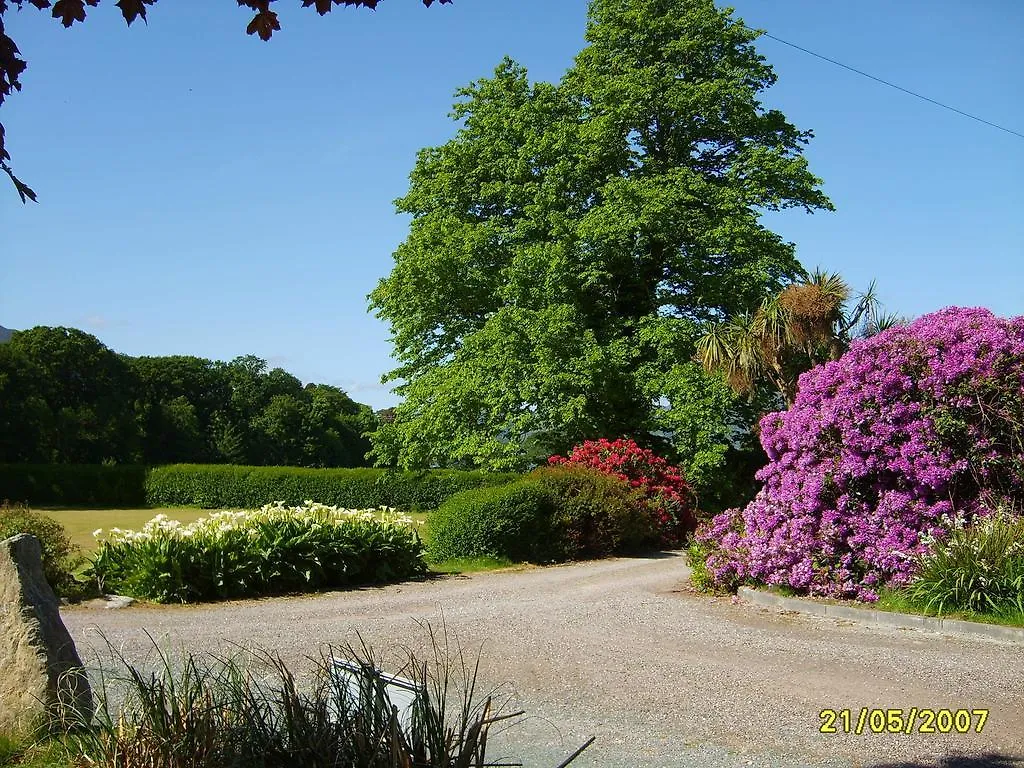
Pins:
x: 219, y: 486
x: 101, y: 485
x: 700, y: 577
x: 555, y: 513
x: 596, y: 514
x: 512, y: 521
x: 273, y: 550
x: 978, y: 568
x: 60, y: 556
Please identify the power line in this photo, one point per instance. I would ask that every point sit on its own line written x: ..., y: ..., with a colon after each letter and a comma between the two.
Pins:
x: 897, y: 87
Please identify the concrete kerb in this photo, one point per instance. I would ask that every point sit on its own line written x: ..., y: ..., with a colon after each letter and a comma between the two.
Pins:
x: 882, y: 618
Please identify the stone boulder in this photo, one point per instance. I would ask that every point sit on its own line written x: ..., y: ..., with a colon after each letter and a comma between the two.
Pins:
x: 42, y: 680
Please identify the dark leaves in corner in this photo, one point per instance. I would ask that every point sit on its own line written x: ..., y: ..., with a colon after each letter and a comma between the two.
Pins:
x: 264, y: 24
x: 133, y: 9
x: 70, y: 11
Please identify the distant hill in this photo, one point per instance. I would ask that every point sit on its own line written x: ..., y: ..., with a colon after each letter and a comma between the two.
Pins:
x: 5, y: 334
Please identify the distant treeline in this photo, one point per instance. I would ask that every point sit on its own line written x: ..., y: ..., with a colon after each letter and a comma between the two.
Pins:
x: 67, y: 398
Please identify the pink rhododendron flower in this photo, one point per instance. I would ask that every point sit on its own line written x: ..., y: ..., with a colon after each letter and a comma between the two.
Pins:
x: 878, y: 452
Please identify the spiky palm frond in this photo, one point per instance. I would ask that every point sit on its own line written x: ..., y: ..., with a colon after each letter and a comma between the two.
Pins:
x: 734, y: 349
x: 772, y: 323
x: 747, y: 343
x: 830, y: 284
x: 882, y: 322
x: 714, y: 348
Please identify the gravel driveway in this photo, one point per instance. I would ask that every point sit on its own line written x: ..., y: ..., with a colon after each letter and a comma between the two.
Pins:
x: 618, y: 649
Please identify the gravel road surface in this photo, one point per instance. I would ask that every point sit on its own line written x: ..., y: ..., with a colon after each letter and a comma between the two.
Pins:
x: 619, y: 649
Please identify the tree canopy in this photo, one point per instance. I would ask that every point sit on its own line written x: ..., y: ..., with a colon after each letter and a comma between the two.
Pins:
x: 264, y: 23
x: 67, y: 398
x: 568, y: 244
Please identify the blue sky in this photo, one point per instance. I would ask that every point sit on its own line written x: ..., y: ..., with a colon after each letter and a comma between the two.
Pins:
x: 202, y: 192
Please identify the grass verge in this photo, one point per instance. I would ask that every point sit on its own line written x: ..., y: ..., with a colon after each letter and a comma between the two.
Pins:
x: 461, y: 565
x: 896, y: 601
x: 80, y: 523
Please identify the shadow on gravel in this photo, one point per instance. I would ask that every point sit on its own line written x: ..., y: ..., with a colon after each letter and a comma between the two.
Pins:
x: 655, y: 554
x: 991, y: 760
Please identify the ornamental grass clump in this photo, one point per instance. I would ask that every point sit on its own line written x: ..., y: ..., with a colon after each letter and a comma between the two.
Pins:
x: 670, y: 500
x: 882, y: 452
x: 978, y: 568
x: 251, y: 710
x: 273, y: 550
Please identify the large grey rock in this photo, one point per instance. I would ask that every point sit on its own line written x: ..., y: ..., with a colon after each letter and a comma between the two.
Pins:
x: 41, y: 675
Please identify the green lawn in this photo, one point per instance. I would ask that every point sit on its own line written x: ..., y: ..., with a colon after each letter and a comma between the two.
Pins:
x: 896, y: 602
x: 80, y: 523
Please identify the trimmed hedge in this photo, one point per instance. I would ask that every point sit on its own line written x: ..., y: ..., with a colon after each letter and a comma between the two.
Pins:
x: 223, y: 485
x: 215, y: 485
x: 511, y: 521
x: 101, y: 485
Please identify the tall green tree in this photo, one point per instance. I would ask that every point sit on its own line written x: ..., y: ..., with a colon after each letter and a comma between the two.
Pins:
x: 71, y: 396
x: 65, y: 397
x: 27, y: 425
x: 567, y: 246
x: 335, y: 427
x: 176, y: 398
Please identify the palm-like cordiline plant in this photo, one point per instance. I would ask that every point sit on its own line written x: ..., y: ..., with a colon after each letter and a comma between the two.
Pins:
x: 804, y: 325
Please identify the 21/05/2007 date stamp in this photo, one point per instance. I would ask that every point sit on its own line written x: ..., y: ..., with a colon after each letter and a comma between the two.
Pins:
x: 906, y: 721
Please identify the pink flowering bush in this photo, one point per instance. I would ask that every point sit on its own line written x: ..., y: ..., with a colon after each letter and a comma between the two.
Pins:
x: 668, y: 496
x: 885, y: 450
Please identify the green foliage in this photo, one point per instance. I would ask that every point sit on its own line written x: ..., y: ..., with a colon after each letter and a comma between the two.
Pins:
x: 10, y: 750
x: 700, y: 577
x: 734, y: 483
x: 595, y: 514
x: 28, y: 752
x: 60, y: 556
x: 220, y: 486
x: 514, y: 521
x: 224, y: 485
x: 177, y: 400
x: 101, y: 485
x: 566, y: 246
x: 552, y: 514
x: 67, y: 399
x: 979, y: 568
x: 274, y: 550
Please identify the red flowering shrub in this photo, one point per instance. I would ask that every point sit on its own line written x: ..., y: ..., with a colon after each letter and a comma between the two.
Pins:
x: 668, y: 495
